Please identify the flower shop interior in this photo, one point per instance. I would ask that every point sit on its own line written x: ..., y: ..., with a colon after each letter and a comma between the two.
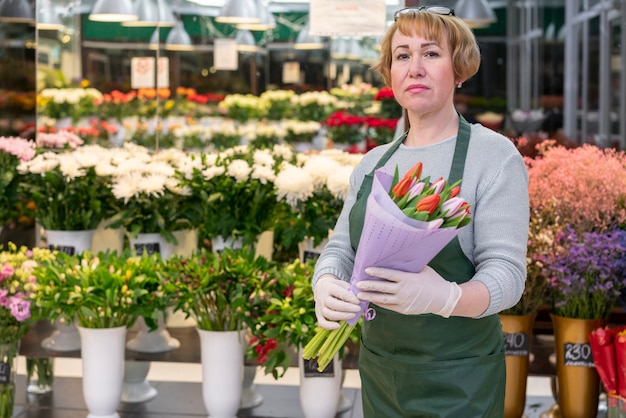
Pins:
x: 146, y: 142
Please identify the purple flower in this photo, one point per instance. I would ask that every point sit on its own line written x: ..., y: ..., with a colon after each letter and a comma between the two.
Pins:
x: 19, y: 307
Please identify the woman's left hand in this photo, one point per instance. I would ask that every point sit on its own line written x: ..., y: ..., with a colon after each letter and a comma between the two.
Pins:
x: 410, y: 293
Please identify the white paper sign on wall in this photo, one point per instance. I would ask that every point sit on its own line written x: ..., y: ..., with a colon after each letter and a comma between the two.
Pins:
x: 143, y: 73
x: 347, y: 17
x: 225, y: 54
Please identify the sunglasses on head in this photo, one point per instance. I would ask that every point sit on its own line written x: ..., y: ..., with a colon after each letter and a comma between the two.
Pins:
x: 438, y: 10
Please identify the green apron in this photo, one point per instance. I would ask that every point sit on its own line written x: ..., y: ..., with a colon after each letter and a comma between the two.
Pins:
x: 427, y: 365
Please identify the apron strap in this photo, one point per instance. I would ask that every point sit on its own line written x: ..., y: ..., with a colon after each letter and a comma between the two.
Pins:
x: 357, y: 214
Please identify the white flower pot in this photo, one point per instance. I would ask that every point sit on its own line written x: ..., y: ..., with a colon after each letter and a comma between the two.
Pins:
x: 102, y: 353
x: 107, y: 239
x: 250, y: 397
x: 222, y: 371
x: 69, y: 242
x: 157, y: 341
x: 308, y: 251
x: 316, y: 386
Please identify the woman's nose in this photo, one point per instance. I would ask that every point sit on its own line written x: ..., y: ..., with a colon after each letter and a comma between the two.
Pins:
x: 416, y: 68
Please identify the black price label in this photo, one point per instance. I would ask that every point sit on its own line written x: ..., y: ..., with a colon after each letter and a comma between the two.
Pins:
x: 516, y: 344
x: 66, y: 249
x: 310, y: 255
x: 578, y: 354
x: 310, y: 369
x: 5, y: 373
x: 149, y: 248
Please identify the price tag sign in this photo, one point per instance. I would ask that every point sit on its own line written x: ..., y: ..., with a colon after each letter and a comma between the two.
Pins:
x: 310, y: 369
x: 149, y: 248
x: 65, y: 249
x: 516, y: 344
x: 310, y: 255
x: 578, y: 354
x: 5, y: 373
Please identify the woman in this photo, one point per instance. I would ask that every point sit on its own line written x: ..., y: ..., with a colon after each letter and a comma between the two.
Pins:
x: 435, y: 347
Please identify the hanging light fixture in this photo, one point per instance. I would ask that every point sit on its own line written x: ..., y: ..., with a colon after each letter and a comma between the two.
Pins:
x: 339, y: 49
x: 245, y: 41
x: 17, y: 11
x: 266, y: 19
x: 152, y: 13
x: 48, y: 18
x: 307, y: 41
x: 239, y: 11
x: 155, y: 39
x: 476, y: 13
x: 113, y: 11
x: 178, y: 39
x: 354, y: 50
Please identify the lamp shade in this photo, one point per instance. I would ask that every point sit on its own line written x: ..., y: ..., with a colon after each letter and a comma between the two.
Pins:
x: 113, y: 11
x: 307, y: 41
x: 476, y: 13
x: 48, y: 17
x: 152, y: 13
x: 18, y: 11
x: 245, y: 41
x: 239, y: 11
x: 178, y: 39
x: 266, y: 22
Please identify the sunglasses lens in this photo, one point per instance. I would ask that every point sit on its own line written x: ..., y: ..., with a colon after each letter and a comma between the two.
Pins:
x: 439, y: 10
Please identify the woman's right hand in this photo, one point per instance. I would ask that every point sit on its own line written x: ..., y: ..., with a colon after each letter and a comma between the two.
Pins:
x: 334, y: 302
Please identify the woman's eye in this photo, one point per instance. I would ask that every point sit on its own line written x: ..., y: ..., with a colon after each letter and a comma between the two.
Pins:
x: 402, y: 56
x: 431, y: 54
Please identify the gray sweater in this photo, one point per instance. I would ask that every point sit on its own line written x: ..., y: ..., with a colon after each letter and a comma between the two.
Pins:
x: 495, y: 183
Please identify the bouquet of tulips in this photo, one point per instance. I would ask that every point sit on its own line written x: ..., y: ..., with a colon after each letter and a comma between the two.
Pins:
x: 419, y: 218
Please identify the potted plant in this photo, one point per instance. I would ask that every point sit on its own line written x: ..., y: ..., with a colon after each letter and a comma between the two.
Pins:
x: 236, y: 194
x: 16, y: 284
x: 69, y: 193
x: 216, y: 289
x: 13, y: 150
x: 104, y: 293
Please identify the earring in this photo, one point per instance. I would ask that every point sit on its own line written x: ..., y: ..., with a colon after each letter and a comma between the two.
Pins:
x: 459, y: 85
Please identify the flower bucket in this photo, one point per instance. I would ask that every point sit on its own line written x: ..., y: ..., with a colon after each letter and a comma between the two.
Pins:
x: 136, y: 388
x: 517, y: 331
x: 578, y: 383
x: 151, y: 243
x: 102, y: 353
x: 8, y: 366
x: 222, y: 371
x: 65, y: 337
x: 39, y: 375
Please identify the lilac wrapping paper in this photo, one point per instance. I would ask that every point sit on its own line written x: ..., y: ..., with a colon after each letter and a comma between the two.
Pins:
x: 390, y: 239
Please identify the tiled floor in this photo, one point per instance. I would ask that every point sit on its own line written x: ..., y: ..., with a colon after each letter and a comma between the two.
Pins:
x: 179, y: 396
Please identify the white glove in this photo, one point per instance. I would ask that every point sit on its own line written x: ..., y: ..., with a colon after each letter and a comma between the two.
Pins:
x: 334, y: 302
x: 410, y: 293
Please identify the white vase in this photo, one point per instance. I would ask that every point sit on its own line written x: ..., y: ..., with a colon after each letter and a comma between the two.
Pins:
x: 221, y: 355
x: 219, y: 243
x: 69, y: 242
x: 65, y: 337
x: 136, y: 388
x: 250, y: 397
x: 157, y: 341
x: 107, y: 239
x: 63, y: 123
x: 315, y: 386
x: 102, y: 353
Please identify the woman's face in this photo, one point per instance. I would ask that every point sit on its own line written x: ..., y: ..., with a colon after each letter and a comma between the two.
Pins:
x: 422, y: 77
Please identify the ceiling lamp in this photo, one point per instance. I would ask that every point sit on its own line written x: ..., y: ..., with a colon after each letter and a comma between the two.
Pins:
x: 49, y: 18
x: 152, y: 13
x: 476, y: 13
x: 155, y: 39
x: 354, y: 51
x: 339, y: 48
x: 307, y: 41
x: 18, y: 11
x: 245, y: 41
x: 113, y: 11
x: 266, y: 22
x: 239, y: 11
x: 178, y: 39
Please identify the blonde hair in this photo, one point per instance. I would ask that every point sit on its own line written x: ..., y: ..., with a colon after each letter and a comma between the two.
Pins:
x: 434, y: 27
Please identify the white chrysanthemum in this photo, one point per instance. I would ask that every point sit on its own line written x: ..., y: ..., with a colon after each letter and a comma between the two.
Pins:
x: 127, y: 186
x: 239, y: 170
x: 153, y: 184
x: 263, y: 173
x: 320, y: 168
x: 263, y: 157
x: 70, y: 167
x: 338, y: 183
x: 294, y: 185
x: 277, y: 95
x: 302, y: 158
x: 159, y: 168
x: 283, y: 151
x: 173, y: 186
x: 88, y: 157
x: 41, y: 164
x: 214, y: 171
x: 302, y: 127
x: 105, y: 169
x: 187, y: 166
